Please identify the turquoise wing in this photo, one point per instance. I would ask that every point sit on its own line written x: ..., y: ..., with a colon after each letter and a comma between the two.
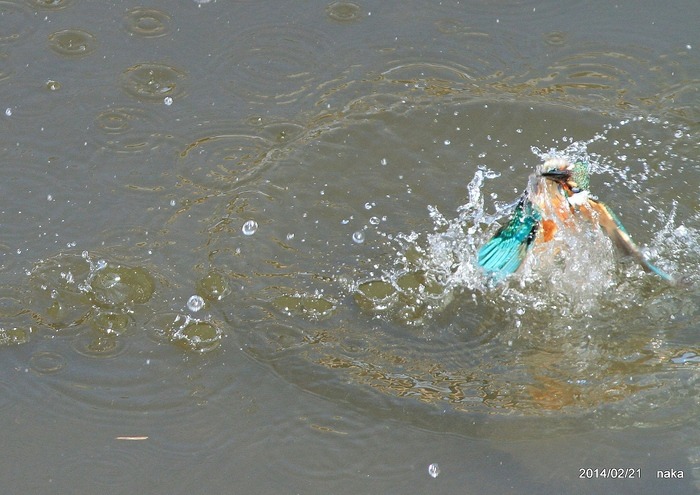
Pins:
x: 505, y: 252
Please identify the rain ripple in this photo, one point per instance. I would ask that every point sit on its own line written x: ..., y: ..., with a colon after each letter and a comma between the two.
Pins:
x: 6, y: 69
x: 152, y: 81
x: 72, y: 42
x: 129, y: 129
x: 84, y: 378
x: 99, y: 346
x: 69, y: 290
x: 15, y: 22
x: 224, y: 156
x: 436, y: 79
x: 51, y: 4
x: 344, y: 11
x: 276, y: 64
x: 148, y: 23
x: 192, y: 334
x: 47, y: 363
x: 593, y: 70
x: 110, y: 468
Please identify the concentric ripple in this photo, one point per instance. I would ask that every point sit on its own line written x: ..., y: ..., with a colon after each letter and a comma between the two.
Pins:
x: 129, y: 129
x: 51, y: 4
x: 190, y: 333
x: 432, y: 78
x: 593, y: 69
x: 15, y: 22
x: 344, y: 11
x: 153, y: 81
x: 111, y: 467
x: 274, y: 64
x: 72, y: 42
x: 44, y: 363
x: 99, y: 346
x: 148, y: 23
x: 6, y: 70
x: 58, y: 299
x: 119, y: 286
x: 105, y: 375
x: 224, y: 157
x: 72, y: 290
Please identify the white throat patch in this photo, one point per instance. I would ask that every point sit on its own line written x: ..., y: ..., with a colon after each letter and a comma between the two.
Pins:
x: 578, y: 198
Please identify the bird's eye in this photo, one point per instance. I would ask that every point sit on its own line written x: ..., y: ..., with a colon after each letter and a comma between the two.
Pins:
x: 575, y: 190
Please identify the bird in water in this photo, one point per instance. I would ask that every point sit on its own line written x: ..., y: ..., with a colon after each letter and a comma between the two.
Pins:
x: 557, y: 196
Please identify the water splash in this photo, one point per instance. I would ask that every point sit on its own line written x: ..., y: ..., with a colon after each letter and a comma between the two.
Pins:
x: 569, y: 275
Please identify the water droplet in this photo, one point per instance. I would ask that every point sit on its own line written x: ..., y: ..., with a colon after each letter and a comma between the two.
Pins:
x: 52, y: 85
x: 358, y: 237
x: 168, y: 100
x: 8, y: 112
x: 374, y: 221
x: 290, y: 236
x: 383, y: 161
x: 195, y: 303
x: 447, y: 142
x: 434, y: 470
x: 250, y: 227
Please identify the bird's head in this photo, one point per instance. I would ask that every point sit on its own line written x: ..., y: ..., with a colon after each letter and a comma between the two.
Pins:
x: 572, y: 177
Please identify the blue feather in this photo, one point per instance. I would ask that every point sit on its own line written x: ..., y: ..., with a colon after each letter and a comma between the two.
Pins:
x: 506, y: 250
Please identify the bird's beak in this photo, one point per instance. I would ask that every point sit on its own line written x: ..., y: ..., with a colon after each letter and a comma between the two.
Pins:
x: 557, y: 175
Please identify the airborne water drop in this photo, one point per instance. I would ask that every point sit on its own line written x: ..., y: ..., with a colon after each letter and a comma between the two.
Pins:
x: 250, y: 227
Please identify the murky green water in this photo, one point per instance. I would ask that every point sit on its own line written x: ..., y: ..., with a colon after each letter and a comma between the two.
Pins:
x: 238, y: 247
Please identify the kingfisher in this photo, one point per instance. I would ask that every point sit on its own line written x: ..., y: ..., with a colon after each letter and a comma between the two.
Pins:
x: 557, y: 196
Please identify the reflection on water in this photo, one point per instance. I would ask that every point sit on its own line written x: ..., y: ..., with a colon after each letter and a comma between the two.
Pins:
x: 311, y: 197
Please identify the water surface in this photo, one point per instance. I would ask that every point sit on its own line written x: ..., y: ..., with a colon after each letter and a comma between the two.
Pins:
x: 238, y: 247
